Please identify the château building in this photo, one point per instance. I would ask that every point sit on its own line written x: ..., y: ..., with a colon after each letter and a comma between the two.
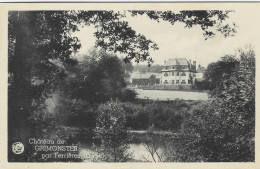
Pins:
x: 176, y: 74
x: 179, y: 71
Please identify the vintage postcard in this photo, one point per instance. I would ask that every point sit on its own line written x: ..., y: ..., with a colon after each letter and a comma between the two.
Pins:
x: 125, y: 85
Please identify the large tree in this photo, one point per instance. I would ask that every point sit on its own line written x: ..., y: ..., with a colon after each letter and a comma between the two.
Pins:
x: 217, y: 72
x: 98, y: 79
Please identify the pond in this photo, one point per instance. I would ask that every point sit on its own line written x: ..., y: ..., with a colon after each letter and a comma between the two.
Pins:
x: 170, y: 95
x: 137, y: 145
x: 139, y: 153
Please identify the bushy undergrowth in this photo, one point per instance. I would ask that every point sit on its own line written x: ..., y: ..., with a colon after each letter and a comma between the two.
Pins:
x: 139, y: 115
x: 161, y: 115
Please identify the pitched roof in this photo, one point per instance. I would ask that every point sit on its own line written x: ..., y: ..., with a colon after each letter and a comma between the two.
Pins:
x: 200, y: 69
x: 177, y: 61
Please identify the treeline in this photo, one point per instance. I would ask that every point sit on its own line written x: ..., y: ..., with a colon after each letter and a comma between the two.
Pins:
x: 148, y: 69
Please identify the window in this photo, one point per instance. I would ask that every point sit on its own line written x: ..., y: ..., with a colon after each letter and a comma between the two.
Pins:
x: 189, y: 81
x: 165, y: 82
x: 172, y: 81
x: 173, y: 67
x: 183, y: 74
x: 177, y: 74
x: 183, y: 82
x: 177, y: 81
x: 165, y: 74
x: 172, y: 73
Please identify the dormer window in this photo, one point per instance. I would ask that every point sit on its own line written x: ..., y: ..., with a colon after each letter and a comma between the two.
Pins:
x: 173, y: 67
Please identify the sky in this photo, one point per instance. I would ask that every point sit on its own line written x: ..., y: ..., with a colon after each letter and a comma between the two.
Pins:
x: 175, y: 41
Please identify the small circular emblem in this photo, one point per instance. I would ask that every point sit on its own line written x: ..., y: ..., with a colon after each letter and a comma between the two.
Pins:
x: 18, y: 148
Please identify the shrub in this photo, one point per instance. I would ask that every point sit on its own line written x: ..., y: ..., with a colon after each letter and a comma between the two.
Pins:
x: 136, y: 117
x: 83, y: 115
x: 111, y: 130
x: 127, y: 95
x: 165, y: 116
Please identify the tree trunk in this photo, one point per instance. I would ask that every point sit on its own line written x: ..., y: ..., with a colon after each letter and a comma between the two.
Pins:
x: 19, y: 92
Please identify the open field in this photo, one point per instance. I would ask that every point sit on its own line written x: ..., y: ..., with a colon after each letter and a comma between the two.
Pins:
x: 170, y: 95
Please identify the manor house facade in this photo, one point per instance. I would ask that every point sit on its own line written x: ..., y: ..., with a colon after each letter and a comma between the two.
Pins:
x: 178, y: 71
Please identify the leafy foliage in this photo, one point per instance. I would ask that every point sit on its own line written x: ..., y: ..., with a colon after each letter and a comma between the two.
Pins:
x: 127, y: 95
x: 237, y: 107
x: 223, y: 129
x: 39, y: 43
x: 216, y: 72
x: 99, y: 79
x: 162, y: 116
x: 111, y: 130
x: 114, y: 34
x: 205, y: 19
x: 165, y: 116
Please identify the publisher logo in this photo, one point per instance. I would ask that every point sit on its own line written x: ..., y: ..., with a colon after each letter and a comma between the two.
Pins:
x: 18, y: 148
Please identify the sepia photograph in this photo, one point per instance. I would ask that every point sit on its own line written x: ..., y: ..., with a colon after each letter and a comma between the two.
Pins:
x: 118, y: 85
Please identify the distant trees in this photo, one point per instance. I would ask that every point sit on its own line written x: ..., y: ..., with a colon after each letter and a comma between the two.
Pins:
x: 152, y: 80
x: 146, y: 69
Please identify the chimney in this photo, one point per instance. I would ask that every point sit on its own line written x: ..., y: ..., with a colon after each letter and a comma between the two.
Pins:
x: 164, y: 62
x: 194, y: 63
